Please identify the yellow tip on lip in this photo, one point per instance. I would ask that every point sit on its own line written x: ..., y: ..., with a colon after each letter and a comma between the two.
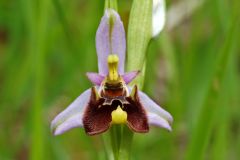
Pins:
x: 119, y: 116
x: 113, y: 67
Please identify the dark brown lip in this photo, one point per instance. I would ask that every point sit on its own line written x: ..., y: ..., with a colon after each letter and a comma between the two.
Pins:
x: 97, y: 116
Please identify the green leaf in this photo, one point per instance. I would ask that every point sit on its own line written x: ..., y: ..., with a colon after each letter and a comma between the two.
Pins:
x: 139, y: 35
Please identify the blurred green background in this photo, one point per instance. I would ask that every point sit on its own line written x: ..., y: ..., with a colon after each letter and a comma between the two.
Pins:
x: 193, y: 71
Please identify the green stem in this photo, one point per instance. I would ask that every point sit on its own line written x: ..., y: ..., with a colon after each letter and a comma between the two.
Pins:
x: 126, y: 142
x: 121, y: 140
x: 107, y: 146
x: 115, y: 134
x: 111, y: 4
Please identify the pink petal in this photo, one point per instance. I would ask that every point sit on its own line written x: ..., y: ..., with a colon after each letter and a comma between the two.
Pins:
x: 72, y: 122
x: 153, y: 107
x: 129, y: 76
x: 156, y: 120
x: 95, y: 78
x: 110, y: 39
x: 71, y: 117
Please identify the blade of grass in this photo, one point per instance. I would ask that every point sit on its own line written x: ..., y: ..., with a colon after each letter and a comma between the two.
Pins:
x: 202, y: 131
x: 220, y: 145
x: 37, y: 15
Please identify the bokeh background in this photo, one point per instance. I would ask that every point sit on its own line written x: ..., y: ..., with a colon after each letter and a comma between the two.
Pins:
x: 193, y: 70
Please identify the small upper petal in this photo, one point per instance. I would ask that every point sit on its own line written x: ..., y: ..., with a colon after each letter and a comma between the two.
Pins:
x: 153, y: 107
x: 158, y: 16
x: 71, y: 117
x: 129, y: 76
x: 95, y: 78
x: 110, y: 39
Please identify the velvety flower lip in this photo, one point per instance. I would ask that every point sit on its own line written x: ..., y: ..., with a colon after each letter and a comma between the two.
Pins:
x: 97, y: 117
x: 110, y: 101
x: 157, y: 116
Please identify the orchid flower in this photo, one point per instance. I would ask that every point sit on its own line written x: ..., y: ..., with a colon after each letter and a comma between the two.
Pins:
x: 111, y: 101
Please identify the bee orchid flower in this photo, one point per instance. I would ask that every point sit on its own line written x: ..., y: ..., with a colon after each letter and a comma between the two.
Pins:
x: 111, y: 101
